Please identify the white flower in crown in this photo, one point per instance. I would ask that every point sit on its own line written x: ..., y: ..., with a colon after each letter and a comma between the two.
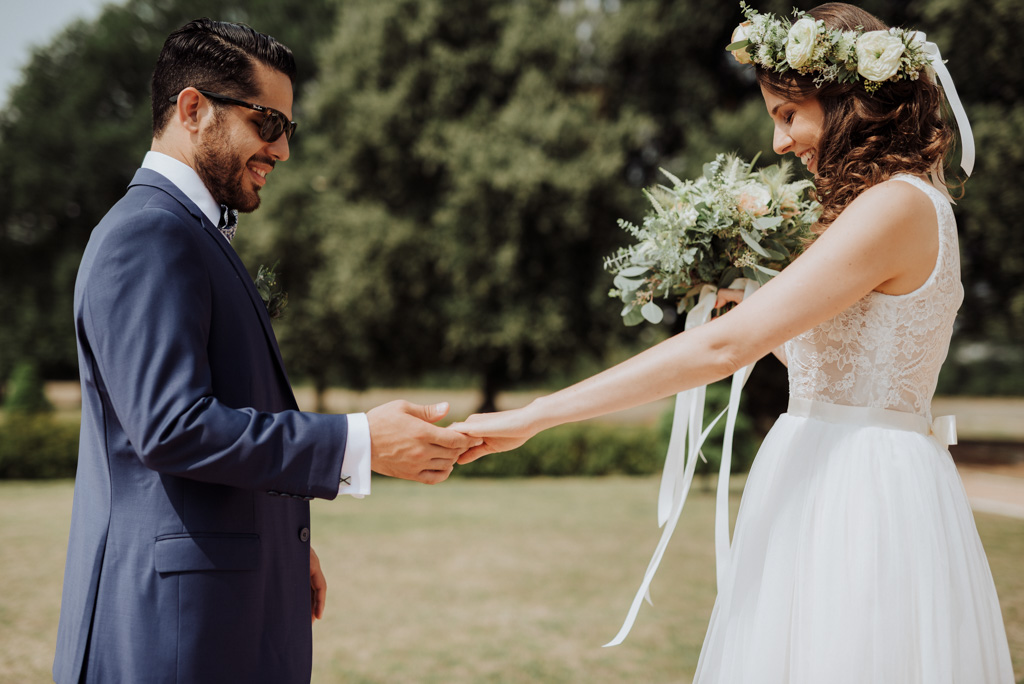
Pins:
x: 801, y: 41
x: 879, y: 54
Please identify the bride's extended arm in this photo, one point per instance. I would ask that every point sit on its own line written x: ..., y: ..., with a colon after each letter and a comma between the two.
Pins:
x: 727, y: 296
x: 886, y: 239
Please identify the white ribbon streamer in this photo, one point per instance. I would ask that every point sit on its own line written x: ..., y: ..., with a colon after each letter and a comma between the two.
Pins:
x: 680, y: 460
x: 722, y: 543
x: 666, y: 535
x: 689, y: 413
x: 945, y: 79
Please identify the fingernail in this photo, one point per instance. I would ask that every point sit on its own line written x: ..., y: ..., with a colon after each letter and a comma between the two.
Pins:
x: 441, y: 407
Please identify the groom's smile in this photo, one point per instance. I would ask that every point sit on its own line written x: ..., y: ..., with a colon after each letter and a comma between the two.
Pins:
x: 259, y: 172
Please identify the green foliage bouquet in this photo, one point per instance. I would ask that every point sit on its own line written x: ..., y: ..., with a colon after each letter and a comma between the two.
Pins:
x: 733, y: 222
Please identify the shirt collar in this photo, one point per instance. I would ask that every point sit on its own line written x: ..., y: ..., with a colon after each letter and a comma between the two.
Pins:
x: 185, y: 179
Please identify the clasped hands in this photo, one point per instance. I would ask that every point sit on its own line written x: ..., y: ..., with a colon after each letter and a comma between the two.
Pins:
x: 405, y: 443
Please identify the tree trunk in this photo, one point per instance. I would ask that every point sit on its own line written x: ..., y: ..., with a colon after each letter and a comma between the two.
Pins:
x: 494, y: 379
x: 320, y: 392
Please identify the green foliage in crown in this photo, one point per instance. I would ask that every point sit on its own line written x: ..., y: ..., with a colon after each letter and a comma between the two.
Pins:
x: 829, y: 55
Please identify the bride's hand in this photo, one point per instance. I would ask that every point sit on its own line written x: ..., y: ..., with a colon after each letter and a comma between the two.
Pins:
x: 502, y: 431
x: 727, y: 296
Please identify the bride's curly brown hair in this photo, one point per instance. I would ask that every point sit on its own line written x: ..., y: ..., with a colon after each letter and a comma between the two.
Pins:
x: 867, y: 137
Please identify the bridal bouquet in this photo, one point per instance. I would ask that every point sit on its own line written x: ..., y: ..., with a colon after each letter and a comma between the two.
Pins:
x: 733, y: 222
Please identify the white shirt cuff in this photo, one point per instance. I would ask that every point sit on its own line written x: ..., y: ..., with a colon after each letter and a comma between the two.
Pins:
x: 355, y: 468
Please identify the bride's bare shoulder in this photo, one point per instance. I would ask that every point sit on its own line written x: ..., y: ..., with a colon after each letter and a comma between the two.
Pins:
x: 894, y: 210
x: 895, y: 196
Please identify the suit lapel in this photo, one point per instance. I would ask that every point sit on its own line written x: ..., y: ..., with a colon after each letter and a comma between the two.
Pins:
x: 254, y: 296
x: 156, y: 180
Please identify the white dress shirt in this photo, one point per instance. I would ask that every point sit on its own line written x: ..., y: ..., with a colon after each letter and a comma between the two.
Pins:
x: 355, y: 467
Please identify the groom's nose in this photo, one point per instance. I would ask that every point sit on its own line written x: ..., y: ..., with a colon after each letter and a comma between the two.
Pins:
x: 279, y: 149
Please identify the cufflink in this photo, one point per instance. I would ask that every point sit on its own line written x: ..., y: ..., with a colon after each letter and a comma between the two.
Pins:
x: 346, y: 480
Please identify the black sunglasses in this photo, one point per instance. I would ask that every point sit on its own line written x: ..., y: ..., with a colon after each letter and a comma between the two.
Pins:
x: 274, y: 122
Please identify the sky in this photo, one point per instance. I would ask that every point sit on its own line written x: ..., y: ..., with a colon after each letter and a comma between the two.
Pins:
x: 29, y: 23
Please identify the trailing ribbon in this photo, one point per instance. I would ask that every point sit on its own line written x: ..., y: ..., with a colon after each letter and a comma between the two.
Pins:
x: 689, y: 412
x: 680, y: 461
x: 945, y: 79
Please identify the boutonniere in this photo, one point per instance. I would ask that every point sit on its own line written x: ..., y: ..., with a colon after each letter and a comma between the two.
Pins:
x: 266, y: 284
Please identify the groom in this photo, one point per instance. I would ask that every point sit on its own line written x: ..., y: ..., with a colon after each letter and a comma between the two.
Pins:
x: 189, y: 557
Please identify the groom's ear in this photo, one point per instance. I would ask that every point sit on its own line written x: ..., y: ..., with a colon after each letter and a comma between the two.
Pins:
x: 190, y: 110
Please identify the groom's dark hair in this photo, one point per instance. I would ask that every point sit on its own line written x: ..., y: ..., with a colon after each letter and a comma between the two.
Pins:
x: 213, y: 55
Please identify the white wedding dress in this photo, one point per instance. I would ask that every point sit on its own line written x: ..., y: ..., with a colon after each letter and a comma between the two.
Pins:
x: 855, y: 556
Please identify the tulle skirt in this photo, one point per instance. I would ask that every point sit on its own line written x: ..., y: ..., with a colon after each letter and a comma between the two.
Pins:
x: 855, y: 558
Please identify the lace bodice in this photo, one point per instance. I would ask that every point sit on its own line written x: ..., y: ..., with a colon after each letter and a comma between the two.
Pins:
x: 885, y: 351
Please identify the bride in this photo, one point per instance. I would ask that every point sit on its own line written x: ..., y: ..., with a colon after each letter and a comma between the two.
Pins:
x: 855, y: 556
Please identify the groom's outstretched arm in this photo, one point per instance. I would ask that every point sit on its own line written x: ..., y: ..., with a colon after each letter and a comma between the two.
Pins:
x: 404, y: 442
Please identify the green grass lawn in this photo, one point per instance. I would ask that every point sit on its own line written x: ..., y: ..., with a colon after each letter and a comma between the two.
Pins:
x: 470, y: 581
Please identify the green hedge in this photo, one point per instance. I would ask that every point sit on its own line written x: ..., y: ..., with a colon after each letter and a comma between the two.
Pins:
x: 587, y: 449
x: 40, y: 446
x: 37, y: 447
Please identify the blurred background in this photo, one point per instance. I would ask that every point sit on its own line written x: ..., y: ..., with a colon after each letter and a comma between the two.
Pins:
x: 458, y: 172
x: 454, y: 185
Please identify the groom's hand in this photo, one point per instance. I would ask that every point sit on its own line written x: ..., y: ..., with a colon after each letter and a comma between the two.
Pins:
x: 404, y: 443
x: 317, y: 588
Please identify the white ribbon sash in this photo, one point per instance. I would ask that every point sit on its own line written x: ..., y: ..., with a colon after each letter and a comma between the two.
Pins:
x: 681, y: 460
x: 942, y: 428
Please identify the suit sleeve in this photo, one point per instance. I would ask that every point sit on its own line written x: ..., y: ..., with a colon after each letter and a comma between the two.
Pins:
x: 146, y: 311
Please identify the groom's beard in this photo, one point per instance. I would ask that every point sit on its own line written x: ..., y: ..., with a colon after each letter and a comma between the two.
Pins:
x: 224, y: 174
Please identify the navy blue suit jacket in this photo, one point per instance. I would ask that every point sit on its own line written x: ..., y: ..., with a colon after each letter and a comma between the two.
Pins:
x: 188, y: 558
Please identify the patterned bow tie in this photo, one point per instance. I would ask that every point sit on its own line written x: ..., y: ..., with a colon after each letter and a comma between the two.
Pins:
x: 228, y: 222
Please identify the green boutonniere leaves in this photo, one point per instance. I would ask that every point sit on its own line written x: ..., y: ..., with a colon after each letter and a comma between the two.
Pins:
x: 273, y: 298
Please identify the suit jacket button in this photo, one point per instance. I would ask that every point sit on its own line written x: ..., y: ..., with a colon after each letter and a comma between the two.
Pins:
x: 304, y: 534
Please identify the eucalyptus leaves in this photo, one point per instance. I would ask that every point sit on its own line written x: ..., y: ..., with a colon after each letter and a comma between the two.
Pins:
x: 732, y: 222
x: 266, y: 284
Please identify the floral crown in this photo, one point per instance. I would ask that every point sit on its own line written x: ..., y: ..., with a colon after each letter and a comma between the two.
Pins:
x: 830, y: 55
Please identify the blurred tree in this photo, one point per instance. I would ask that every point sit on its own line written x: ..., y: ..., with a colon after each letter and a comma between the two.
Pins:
x: 26, y: 393
x: 976, y: 37
x: 453, y: 204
